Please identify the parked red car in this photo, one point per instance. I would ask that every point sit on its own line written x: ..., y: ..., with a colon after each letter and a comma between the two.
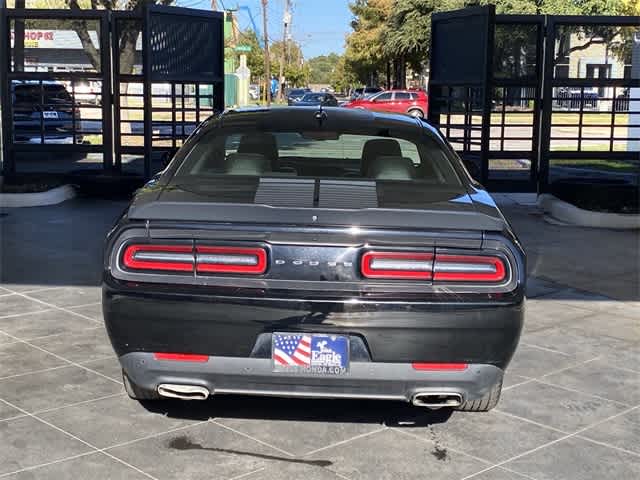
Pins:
x: 413, y: 102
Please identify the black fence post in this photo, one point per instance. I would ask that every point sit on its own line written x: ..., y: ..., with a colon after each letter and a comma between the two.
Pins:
x: 547, y: 105
x: 106, y: 91
x: 5, y: 90
x: 147, y: 86
x: 487, y: 106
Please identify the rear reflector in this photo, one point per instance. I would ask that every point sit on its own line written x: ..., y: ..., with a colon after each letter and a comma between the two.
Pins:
x: 397, y: 265
x: 247, y: 260
x: 177, y: 258
x: 440, y: 366
x: 181, y: 357
x: 468, y: 268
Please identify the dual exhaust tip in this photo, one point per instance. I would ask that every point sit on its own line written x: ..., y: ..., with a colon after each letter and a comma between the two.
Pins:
x: 183, y: 392
x: 432, y: 400
x: 435, y: 400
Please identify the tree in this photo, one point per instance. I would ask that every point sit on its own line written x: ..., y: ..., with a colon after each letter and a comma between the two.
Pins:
x: 296, y: 72
x: 342, y: 77
x: 400, y: 30
x: 322, y: 67
x: 365, y: 54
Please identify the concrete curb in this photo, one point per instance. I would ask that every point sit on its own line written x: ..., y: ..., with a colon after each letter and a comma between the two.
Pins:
x: 572, y: 215
x: 50, y: 197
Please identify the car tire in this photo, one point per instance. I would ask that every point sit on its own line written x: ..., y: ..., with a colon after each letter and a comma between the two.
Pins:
x: 136, y: 392
x: 416, y: 113
x: 484, y: 404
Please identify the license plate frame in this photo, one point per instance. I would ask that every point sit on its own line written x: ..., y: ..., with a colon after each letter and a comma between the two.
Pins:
x: 310, y: 353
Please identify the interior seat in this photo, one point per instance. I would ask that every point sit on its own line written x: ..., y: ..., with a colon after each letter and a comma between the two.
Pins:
x: 391, y: 167
x: 247, y: 164
x: 261, y: 143
x: 378, y: 147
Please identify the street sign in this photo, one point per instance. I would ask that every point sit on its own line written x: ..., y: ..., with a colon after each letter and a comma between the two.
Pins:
x: 243, y: 48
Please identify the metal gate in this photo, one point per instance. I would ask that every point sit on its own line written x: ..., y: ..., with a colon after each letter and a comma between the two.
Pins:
x: 87, y: 119
x: 460, y: 80
x: 48, y: 114
x: 176, y: 82
x: 532, y: 101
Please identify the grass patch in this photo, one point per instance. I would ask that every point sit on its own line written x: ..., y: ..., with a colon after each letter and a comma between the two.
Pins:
x: 600, y: 164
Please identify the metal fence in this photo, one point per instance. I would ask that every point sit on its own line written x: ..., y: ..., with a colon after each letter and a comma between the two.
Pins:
x: 66, y: 110
x: 545, y: 98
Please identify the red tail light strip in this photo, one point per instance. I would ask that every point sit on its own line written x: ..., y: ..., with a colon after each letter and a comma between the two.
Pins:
x: 397, y: 265
x: 473, y: 268
x: 177, y: 258
x: 181, y: 357
x: 439, y: 366
x: 245, y: 260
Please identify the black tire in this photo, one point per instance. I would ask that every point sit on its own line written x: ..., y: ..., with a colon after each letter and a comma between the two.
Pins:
x: 484, y: 404
x: 136, y: 392
x: 416, y: 113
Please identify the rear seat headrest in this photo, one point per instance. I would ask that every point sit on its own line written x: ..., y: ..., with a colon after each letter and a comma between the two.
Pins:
x: 247, y: 164
x: 263, y: 143
x: 376, y: 147
x: 391, y: 167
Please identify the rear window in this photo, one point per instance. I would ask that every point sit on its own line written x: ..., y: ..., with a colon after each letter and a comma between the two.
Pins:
x: 318, y: 154
x: 312, y: 97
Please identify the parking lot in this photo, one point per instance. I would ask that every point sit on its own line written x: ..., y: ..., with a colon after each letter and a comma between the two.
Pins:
x: 570, y: 407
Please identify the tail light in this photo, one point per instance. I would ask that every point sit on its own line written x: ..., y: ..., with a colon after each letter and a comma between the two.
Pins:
x: 176, y: 258
x: 468, y: 268
x: 438, y: 267
x: 397, y: 265
x: 245, y: 260
x: 204, y: 259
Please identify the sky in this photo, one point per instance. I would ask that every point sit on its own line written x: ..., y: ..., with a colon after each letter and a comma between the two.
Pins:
x: 319, y: 26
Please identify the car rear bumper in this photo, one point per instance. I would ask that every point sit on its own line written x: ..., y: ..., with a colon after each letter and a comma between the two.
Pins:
x: 388, y: 331
x: 254, y: 376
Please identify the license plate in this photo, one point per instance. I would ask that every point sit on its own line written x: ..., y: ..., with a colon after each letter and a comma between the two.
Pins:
x: 314, y: 353
x: 50, y: 115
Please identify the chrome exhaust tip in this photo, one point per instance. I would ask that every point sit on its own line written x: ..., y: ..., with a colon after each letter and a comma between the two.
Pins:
x: 436, y: 400
x: 183, y: 392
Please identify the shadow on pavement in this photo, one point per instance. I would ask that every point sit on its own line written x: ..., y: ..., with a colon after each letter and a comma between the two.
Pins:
x: 392, y: 414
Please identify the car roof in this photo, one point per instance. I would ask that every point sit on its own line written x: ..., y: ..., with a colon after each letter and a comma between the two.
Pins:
x: 305, y: 118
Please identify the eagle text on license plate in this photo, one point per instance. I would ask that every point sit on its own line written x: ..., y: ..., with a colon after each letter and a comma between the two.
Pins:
x: 310, y: 353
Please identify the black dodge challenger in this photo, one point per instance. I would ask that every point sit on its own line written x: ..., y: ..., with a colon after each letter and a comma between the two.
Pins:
x: 327, y: 253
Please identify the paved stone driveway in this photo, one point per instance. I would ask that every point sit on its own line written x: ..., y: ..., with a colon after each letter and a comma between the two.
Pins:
x: 570, y: 408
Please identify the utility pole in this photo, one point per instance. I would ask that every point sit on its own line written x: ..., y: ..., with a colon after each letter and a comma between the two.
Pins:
x: 267, y: 60
x: 214, y: 5
x: 285, y: 20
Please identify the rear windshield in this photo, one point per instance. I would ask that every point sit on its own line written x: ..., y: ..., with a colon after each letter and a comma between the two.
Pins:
x: 319, y: 155
x: 310, y: 97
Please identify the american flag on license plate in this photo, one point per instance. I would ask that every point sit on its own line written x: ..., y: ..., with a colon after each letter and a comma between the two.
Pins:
x: 292, y: 350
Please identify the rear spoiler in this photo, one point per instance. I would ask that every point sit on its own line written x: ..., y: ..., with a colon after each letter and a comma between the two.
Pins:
x: 464, y: 219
